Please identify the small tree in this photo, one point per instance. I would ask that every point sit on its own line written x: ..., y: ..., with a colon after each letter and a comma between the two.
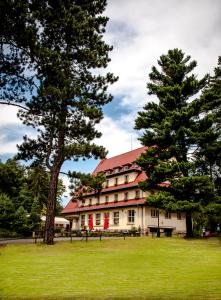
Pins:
x: 172, y: 129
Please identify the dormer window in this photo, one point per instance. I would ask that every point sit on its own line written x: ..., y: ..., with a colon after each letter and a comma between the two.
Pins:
x: 116, y: 170
x: 126, y: 167
x: 108, y: 172
x: 116, y: 181
x: 115, y: 197
x: 126, y: 178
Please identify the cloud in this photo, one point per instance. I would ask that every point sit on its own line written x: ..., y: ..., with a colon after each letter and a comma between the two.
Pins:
x: 115, y: 138
x: 141, y: 31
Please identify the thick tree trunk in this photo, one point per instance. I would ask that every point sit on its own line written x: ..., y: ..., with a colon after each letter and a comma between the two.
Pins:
x: 51, y: 203
x: 189, y: 225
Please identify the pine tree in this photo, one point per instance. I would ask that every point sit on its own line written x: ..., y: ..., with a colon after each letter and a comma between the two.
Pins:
x: 63, y: 48
x: 172, y: 129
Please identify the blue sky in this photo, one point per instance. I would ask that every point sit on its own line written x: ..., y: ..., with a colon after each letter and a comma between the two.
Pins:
x: 140, y: 32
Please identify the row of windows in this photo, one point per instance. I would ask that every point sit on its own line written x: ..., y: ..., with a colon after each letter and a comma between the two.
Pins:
x: 116, y: 197
x: 155, y: 213
x: 130, y: 217
x: 120, y: 169
x: 116, y: 182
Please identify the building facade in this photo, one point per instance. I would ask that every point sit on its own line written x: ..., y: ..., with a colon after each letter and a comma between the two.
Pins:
x: 121, y: 201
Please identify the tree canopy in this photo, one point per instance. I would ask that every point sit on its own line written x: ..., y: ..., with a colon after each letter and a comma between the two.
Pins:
x: 174, y: 129
x: 51, y: 52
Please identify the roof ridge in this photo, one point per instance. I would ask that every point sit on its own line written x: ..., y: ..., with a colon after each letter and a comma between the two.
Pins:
x: 126, y: 152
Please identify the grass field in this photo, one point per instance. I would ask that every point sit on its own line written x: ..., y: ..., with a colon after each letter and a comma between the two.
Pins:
x: 135, y: 268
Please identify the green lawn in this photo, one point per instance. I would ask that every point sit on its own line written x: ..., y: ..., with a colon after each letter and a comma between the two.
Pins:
x: 135, y: 268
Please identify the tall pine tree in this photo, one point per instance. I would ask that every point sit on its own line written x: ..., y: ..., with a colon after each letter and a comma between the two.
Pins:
x: 172, y: 129
x: 64, y: 49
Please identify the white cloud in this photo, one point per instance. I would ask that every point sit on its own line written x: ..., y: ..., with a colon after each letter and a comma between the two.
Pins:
x: 8, y: 115
x: 115, y: 138
x: 143, y: 30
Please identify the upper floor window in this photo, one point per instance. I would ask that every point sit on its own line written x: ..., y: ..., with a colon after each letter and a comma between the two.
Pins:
x: 167, y: 215
x: 107, y: 183
x: 154, y: 213
x: 98, y: 219
x: 179, y: 216
x: 90, y: 201
x: 126, y: 167
x: 126, y: 196
x: 137, y: 194
x: 116, y: 170
x: 106, y: 199
x: 126, y: 178
x: 115, y: 197
x: 116, y: 181
x: 108, y: 172
x: 82, y: 202
x: 131, y: 216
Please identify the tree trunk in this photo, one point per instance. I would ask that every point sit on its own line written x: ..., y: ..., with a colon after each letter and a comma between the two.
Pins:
x: 189, y: 225
x: 51, y: 203
x: 52, y: 194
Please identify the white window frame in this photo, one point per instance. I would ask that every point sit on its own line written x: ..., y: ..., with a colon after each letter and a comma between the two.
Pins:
x: 116, y: 217
x: 131, y: 216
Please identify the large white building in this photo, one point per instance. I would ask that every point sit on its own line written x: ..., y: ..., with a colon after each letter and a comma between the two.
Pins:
x: 122, y: 201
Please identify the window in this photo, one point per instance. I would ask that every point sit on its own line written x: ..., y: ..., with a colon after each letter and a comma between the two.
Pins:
x: 108, y: 172
x: 82, y: 202
x: 126, y: 168
x: 116, y: 170
x: 126, y: 196
x: 90, y: 201
x: 154, y: 213
x: 107, y: 183
x: 116, y: 218
x: 116, y: 181
x: 115, y: 197
x: 167, y: 215
x: 131, y: 216
x: 126, y: 179
x: 179, y: 216
x: 82, y: 220
x: 106, y: 199
x: 98, y: 219
x: 137, y: 194
x: 88, y: 218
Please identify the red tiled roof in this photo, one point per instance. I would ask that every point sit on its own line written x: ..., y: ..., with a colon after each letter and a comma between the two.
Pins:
x: 119, y: 160
x: 73, y: 207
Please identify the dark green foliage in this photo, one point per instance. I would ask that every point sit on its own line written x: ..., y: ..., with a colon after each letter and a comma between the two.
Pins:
x: 23, y: 196
x: 176, y: 129
x: 86, y: 183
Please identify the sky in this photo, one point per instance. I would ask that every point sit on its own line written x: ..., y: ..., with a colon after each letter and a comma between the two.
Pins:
x: 140, y: 32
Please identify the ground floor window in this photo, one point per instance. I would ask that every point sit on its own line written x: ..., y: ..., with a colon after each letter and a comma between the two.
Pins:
x: 131, y: 216
x: 154, y: 213
x: 98, y: 219
x: 179, y: 217
x: 82, y: 220
x: 116, y: 218
x: 88, y: 220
